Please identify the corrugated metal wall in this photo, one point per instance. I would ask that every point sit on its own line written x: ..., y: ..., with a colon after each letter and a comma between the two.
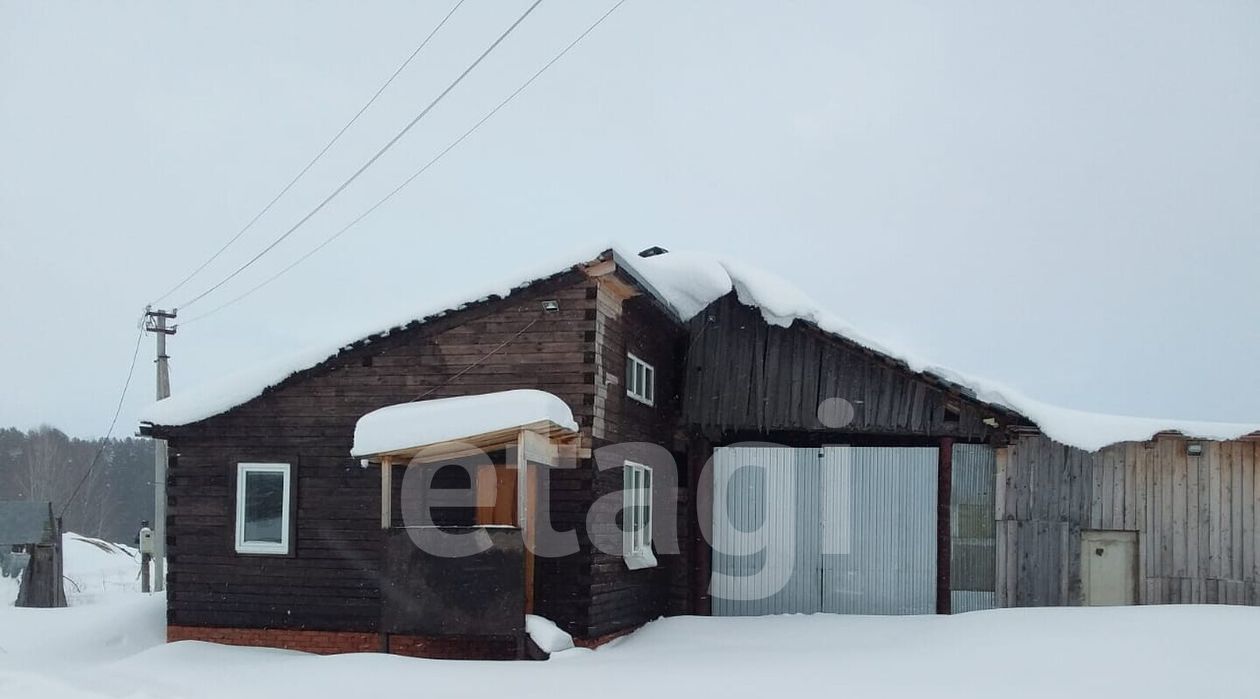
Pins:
x: 971, y: 514
x: 837, y: 529
x: 879, y: 524
x: 765, y: 558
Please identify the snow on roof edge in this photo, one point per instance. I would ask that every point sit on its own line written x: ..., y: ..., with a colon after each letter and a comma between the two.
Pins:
x: 236, y: 388
x: 686, y: 283
x: 782, y: 303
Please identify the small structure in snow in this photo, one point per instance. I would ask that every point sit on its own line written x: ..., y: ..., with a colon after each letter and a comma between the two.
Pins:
x: 30, y: 546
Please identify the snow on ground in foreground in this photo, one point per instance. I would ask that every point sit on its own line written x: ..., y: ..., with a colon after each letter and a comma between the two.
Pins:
x: 103, y: 650
x: 110, y: 644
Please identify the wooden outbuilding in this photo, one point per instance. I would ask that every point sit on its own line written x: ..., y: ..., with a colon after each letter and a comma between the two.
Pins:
x: 30, y: 547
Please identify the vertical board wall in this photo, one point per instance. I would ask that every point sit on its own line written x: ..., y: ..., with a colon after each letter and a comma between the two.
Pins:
x: 1195, y: 517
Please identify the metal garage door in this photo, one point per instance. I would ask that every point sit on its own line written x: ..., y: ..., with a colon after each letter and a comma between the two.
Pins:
x: 834, y: 529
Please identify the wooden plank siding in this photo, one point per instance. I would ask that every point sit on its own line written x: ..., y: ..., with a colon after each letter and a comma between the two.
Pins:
x: 1194, y: 515
x: 332, y: 579
x: 745, y: 376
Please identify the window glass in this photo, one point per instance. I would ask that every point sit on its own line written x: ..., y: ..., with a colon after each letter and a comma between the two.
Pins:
x: 640, y: 380
x: 637, y: 516
x: 264, y: 507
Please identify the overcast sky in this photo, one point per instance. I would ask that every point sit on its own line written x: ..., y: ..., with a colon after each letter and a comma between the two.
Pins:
x: 1061, y: 196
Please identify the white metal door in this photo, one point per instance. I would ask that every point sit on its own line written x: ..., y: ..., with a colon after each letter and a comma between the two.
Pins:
x: 1109, y: 567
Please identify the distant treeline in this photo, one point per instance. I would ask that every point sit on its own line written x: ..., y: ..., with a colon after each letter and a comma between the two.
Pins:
x: 45, y: 464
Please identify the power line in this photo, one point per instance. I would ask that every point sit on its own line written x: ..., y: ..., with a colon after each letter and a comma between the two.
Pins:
x: 108, y: 433
x: 371, y: 160
x: 477, y: 363
x: 414, y: 175
x: 314, y: 160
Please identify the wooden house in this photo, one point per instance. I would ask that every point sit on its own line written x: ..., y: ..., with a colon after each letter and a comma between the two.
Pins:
x: 706, y: 399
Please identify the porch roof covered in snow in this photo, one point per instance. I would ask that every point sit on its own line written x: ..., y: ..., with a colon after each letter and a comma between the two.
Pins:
x: 533, y: 422
x: 449, y: 426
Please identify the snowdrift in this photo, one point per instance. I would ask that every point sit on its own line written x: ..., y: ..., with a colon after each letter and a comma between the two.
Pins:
x: 1153, y: 652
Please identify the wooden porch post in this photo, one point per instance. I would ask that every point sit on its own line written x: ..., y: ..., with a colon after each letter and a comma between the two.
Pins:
x: 387, y: 491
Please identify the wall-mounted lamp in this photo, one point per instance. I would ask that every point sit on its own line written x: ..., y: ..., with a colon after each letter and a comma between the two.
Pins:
x: 551, y: 306
x: 1194, y: 449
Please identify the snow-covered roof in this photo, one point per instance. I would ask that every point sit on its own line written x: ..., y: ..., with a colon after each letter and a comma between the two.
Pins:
x: 238, y: 387
x: 689, y: 282
x: 686, y: 283
x: 421, y: 423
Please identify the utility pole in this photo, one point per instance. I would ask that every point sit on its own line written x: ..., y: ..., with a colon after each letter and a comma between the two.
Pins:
x: 155, y: 322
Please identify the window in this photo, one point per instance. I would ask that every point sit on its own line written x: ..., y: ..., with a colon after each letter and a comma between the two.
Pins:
x: 262, y: 508
x: 636, y: 516
x: 640, y: 380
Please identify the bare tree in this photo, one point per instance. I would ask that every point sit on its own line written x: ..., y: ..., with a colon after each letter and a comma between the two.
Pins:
x: 45, y: 464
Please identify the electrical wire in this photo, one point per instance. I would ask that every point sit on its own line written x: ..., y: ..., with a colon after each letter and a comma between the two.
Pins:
x: 477, y: 363
x: 370, y: 161
x: 314, y: 160
x: 109, y: 432
x: 327, y: 241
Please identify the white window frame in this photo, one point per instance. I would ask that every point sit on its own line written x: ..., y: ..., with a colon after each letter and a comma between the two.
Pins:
x: 640, y: 380
x: 263, y: 547
x: 637, y: 486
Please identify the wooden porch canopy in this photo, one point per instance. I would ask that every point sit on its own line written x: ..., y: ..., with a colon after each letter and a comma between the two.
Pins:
x: 532, y: 424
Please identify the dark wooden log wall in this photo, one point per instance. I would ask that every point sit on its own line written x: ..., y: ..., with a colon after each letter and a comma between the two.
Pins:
x: 622, y: 598
x: 332, y: 582
x: 743, y: 374
x: 1196, y: 518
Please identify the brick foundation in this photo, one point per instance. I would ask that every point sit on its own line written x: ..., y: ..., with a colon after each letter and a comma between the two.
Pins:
x: 332, y: 642
x: 597, y: 641
x: 454, y: 648
x: 322, y: 642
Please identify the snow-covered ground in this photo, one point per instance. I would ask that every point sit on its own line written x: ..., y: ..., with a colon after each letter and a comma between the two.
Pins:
x: 96, y: 569
x: 111, y: 646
